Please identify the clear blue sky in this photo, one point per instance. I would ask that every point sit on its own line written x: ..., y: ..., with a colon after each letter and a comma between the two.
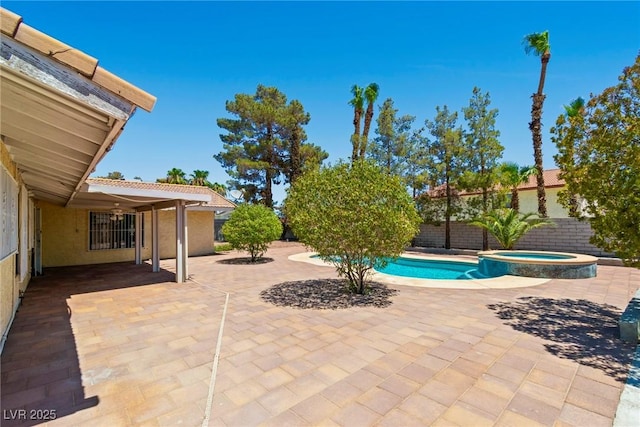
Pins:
x: 194, y: 56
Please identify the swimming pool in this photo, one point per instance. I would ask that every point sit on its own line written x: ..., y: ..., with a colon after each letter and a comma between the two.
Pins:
x: 431, y: 269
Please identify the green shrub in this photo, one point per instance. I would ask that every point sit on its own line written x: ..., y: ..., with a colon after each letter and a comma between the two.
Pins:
x: 507, y: 226
x: 355, y: 216
x: 222, y: 247
x: 252, y: 228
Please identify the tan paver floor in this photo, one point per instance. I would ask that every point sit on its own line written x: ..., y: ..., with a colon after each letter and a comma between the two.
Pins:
x: 115, y: 344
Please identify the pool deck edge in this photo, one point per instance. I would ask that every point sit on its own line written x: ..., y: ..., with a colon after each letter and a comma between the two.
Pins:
x: 502, y: 282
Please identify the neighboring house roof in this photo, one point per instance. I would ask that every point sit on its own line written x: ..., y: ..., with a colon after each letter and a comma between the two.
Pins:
x: 144, y: 193
x: 61, y: 111
x: 551, y: 180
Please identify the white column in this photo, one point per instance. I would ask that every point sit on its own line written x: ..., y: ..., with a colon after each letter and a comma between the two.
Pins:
x: 138, y: 242
x: 180, y: 249
x: 155, y: 241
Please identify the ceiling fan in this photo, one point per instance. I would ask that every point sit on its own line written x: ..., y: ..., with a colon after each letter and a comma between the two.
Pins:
x: 116, y: 213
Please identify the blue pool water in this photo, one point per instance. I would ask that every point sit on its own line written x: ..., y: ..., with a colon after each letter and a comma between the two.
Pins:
x: 527, y: 255
x: 432, y: 269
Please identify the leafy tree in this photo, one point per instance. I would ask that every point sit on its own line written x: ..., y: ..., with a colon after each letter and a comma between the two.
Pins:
x: 538, y: 44
x: 355, y: 216
x: 599, y: 154
x: 389, y: 148
x: 482, y: 151
x: 114, y: 175
x: 264, y: 142
x: 200, y: 178
x: 416, y: 160
x: 371, y: 94
x: 252, y: 228
x: 511, y: 176
x: 507, y: 226
x: 446, y: 164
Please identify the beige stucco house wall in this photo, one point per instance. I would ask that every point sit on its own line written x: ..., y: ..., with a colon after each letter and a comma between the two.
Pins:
x: 65, y: 237
x: 11, y: 283
x: 200, y: 232
x: 529, y: 202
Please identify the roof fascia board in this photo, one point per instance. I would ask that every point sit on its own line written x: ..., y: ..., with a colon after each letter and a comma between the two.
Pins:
x: 137, y: 192
x: 34, y: 65
x: 169, y: 204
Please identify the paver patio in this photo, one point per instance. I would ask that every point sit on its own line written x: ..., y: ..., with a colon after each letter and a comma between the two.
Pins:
x: 118, y: 345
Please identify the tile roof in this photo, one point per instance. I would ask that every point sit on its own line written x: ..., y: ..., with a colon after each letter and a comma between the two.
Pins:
x: 551, y: 180
x: 11, y: 25
x: 217, y: 201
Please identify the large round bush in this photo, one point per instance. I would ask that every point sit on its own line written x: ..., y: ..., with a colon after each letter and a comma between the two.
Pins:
x: 252, y: 228
x: 355, y: 216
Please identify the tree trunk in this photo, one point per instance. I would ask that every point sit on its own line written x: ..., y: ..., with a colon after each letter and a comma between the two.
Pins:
x: 355, y: 139
x: 447, y: 218
x: 515, y: 201
x: 536, y: 131
x: 485, y: 209
x: 368, y: 117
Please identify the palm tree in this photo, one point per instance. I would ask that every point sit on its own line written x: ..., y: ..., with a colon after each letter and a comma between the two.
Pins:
x: 538, y: 44
x: 574, y: 111
x: 218, y: 188
x: 358, y: 104
x: 511, y: 176
x: 199, y: 177
x: 176, y: 176
x: 575, y: 108
x: 114, y: 175
x: 507, y: 226
x: 371, y: 94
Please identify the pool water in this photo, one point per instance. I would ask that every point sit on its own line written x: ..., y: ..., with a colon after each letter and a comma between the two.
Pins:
x: 432, y: 269
x: 526, y: 255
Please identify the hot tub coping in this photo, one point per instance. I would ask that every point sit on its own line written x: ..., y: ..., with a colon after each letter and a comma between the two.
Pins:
x: 575, y: 259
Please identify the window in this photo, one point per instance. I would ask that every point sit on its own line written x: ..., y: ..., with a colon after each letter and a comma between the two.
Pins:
x: 109, y: 231
x: 8, y: 214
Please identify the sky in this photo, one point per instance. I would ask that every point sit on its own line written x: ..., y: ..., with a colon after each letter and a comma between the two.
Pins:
x: 195, y: 56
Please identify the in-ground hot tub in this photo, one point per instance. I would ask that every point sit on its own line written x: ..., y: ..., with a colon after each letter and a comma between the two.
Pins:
x: 542, y: 264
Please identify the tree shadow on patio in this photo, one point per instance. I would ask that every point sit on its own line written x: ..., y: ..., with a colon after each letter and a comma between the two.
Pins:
x: 322, y: 294
x: 581, y: 330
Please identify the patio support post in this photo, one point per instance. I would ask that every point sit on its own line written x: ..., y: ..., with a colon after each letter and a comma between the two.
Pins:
x: 155, y: 252
x: 138, y: 234
x: 181, y: 275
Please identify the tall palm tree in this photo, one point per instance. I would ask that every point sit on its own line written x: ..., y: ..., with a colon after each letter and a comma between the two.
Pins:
x: 574, y: 111
x: 507, y: 226
x: 358, y: 105
x: 538, y: 44
x: 199, y: 177
x: 218, y: 188
x: 575, y: 108
x: 371, y: 94
x: 511, y: 176
x: 176, y: 176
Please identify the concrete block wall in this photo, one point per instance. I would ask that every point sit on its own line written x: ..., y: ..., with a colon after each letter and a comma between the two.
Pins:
x: 569, y: 235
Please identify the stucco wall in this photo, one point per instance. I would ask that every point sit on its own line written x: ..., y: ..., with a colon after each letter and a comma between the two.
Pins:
x: 199, y: 233
x: 9, y: 285
x: 65, y: 237
x: 569, y: 235
x: 529, y: 202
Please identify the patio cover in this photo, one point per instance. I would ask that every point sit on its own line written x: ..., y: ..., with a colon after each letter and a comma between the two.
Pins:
x: 60, y: 113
